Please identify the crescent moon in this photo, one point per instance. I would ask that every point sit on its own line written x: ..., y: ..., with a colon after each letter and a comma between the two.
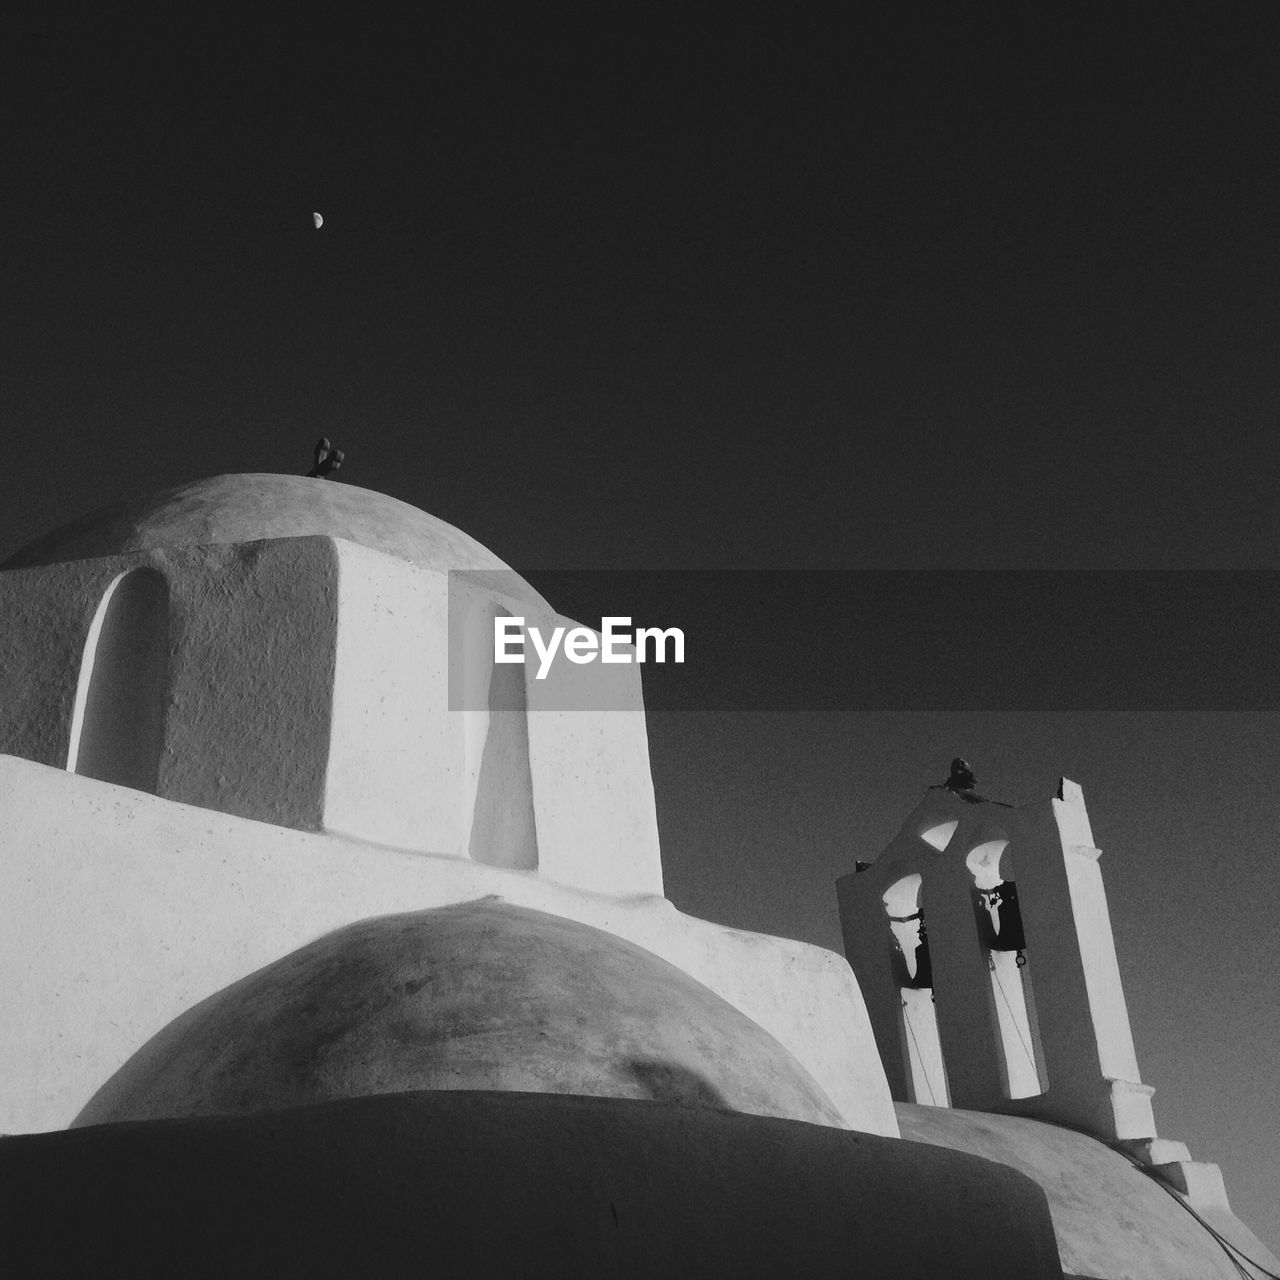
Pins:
x: 318, y: 220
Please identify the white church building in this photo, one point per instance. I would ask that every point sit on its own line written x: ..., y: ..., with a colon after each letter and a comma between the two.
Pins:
x: 343, y: 949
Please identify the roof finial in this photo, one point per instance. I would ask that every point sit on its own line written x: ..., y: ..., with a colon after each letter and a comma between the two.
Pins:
x: 963, y: 785
x: 962, y: 777
x: 327, y: 459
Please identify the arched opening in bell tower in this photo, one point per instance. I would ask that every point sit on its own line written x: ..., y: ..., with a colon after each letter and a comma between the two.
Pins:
x: 1000, y: 934
x: 913, y: 977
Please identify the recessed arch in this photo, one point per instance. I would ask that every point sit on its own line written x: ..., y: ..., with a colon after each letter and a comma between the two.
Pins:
x: 117, y: 722
x: 503, y: 831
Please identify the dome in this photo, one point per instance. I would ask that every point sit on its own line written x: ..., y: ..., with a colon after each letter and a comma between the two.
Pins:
x: 478, y: 996
x: 1110, y: 1217
x: 247, y: 508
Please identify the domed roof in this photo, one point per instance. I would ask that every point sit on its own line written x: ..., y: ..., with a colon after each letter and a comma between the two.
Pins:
x: 481, y: 995
x: 1110, y: 1218
x: 246, y: 508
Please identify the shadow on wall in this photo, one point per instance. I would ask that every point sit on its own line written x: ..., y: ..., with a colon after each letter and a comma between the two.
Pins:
x: 670, y: 1082
x: 503, y: 830
x: 117, y: 728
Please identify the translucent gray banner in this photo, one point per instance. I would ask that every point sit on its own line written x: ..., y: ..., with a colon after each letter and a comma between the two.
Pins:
x: 870, y: 641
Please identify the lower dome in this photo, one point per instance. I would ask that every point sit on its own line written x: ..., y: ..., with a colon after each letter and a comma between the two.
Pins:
x: 478, y: 996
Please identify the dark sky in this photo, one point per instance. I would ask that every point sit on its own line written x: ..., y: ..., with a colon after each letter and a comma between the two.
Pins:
x: 741, y: 288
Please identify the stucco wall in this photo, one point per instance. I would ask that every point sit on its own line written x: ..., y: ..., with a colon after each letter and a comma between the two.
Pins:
x: 396, y: 765
x: 120, y: 910
x: 307, y: 685
x: 592, y: 786
x: 45, y: 616
x: 252, y: 670
x: 409, y: 769
x: 250, y: 673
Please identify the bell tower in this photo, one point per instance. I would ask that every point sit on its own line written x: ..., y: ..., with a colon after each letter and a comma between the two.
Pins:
x: 982, y: 943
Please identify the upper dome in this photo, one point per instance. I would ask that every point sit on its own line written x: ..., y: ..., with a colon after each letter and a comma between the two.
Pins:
x: 246, y: 508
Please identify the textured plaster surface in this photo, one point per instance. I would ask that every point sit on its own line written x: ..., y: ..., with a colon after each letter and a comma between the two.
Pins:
x: 249, y: 682
x: 395, y: 771
x: 481, y: 995
x: 1101, y: 970
x: 45, y: 617
x: 592, y: 787
x: 307, y: 685
x: 407, y: 769
x: 248, y: 508
x: 120, y: 911
x: 506, y: 1184
x: 1111, y: 1220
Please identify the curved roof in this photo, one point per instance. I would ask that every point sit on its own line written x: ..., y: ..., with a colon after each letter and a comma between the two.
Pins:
x: 247, y: 508
x: 480, y: 995
x: 1110, y: 1218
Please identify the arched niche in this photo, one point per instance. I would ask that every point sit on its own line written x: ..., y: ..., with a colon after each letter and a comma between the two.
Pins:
x: 117, y: 724
x: 503, y: 832
x: 920, y: 1042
